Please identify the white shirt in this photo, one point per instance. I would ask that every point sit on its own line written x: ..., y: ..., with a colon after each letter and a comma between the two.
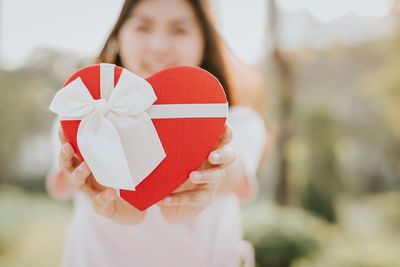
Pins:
x: 212, y: 238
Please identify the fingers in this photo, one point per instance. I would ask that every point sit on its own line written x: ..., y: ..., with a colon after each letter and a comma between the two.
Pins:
x: 83, y: 180
x: 200, y: 197
x: 213, y: 175
x: 102, y: 198
x: 79, y: 176
x: 78, y: 171
x: 68, y: 160
x: 225, y: 138
x: 104, y: 202
x: 195, y: 198
x: 225, y: 155
x: 61, y: 136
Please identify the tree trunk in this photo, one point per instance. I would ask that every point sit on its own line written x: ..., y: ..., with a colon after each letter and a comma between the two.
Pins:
x: 285, y: 106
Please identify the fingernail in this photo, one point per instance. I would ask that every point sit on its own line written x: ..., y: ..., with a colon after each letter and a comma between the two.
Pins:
x: 216, y: 156
x: 167, y: 200
x: 82, y: 167
x: 64, y: 149
x: 103, y: 197
x: 110, y: 195
x: 195, y: 176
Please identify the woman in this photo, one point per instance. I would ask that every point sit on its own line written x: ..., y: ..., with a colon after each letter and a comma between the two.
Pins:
x: 198, y: 224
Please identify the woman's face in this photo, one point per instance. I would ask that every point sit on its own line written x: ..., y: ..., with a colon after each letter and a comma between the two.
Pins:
x: 160, y: 34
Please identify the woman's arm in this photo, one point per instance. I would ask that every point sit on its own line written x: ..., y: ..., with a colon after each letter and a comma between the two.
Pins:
x: 249, y: 141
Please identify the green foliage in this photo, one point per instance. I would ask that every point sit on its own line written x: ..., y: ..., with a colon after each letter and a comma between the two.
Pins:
x: 21, y: 113
x: 281, y: 235
x: 25, y: 96
x: 279, y: 247
x: 322, y: 184
x: 346, y: 142
x: 367, y: 234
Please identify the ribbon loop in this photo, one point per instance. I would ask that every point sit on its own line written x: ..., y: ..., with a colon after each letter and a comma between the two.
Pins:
x: 134, y: 102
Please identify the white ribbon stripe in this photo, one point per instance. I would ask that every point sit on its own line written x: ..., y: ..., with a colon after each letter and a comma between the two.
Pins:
x: 116, y: 136
x: 165, y: 111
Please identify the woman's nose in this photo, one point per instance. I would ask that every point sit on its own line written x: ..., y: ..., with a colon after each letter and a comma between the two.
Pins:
x: 159, y: 42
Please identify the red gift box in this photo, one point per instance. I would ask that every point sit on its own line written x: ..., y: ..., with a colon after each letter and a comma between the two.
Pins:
x: 188, y: 116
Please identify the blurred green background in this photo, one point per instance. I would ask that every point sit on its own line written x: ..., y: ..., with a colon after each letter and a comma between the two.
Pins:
x: 329, y: 183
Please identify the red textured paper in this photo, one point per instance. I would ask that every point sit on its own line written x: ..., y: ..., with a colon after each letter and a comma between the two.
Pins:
x: 186, y: 141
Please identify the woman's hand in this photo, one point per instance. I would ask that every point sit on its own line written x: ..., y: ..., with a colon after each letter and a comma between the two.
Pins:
x: 198, y: 192
x: 104, y: 199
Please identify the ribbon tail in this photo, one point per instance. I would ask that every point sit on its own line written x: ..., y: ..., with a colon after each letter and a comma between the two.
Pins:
x: 143, y: 148
x: 102, y: 150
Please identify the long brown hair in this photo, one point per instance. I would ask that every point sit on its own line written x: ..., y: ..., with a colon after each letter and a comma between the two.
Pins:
x: 213, y: 61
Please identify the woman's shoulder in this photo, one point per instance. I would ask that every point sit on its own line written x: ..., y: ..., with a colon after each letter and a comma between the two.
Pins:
x: 244, y: 113
x: 250, y: 86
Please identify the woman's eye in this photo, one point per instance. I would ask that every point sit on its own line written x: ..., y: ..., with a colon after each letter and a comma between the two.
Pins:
x: 179, y: 31
x: 142, y: 28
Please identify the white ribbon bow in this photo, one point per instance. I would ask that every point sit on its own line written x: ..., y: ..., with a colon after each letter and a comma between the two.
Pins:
x: 116, y: 137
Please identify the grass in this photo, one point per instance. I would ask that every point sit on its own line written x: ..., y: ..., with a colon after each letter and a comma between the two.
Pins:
x: 32, y: 228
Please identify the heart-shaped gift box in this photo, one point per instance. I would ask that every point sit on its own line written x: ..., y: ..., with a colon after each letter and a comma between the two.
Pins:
x: 178, y: 116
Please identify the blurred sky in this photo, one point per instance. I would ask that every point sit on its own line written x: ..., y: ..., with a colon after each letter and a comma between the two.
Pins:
x: 82, y: 26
